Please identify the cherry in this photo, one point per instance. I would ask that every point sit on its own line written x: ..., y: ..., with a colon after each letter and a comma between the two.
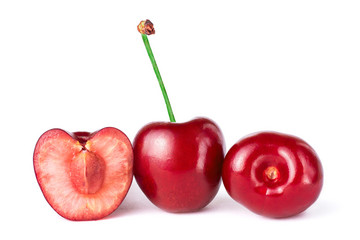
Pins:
x: 273, y: 174
x: 84, y: 176
x: 177, y: 165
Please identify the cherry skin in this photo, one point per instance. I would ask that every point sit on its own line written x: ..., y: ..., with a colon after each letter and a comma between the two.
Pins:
x: 273, y: 174
x: 178, y: 165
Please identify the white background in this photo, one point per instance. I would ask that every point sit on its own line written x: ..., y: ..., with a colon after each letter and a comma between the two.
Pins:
x: 287, y: 66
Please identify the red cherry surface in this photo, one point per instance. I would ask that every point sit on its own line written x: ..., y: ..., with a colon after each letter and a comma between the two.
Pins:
x: 273, y: 174
x: 178, y: 165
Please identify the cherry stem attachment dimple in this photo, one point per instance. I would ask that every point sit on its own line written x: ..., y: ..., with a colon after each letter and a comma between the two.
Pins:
x: 272, y: 173
x: 146, y: 28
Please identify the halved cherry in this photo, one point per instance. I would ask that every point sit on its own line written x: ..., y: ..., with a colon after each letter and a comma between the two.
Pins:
x: 84, y: 176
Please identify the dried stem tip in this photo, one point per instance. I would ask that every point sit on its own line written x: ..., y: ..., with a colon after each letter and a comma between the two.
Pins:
x: 146, y: 27
x: 272, y: 173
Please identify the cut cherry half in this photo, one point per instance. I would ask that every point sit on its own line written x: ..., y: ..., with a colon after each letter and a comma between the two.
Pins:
x: 84, y: 176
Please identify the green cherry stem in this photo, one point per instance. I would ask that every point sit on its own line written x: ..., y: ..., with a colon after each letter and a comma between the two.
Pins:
x: 146, y: 28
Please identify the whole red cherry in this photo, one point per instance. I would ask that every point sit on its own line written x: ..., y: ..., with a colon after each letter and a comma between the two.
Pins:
x: 178, y: 165
x: 273, y: 174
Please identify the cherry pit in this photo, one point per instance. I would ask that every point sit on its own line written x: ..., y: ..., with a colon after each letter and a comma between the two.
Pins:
x: 178, y: 166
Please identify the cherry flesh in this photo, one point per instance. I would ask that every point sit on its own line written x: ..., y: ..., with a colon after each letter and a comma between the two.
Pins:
x: 84, y: 176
